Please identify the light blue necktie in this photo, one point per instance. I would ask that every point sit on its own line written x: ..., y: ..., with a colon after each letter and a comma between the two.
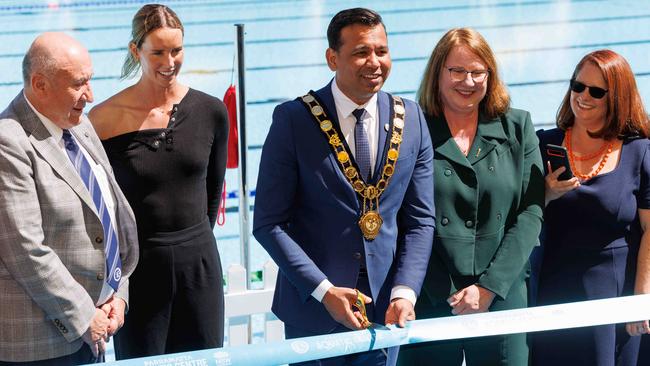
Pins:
x: 362, y: 148
x: 111, y: 242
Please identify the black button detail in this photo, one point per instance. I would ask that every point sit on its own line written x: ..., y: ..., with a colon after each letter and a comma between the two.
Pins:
x: 99, y: 240
x: 356, y: 255
x: 163, y: 134
x: 156, y: 143
x: 100, y: 276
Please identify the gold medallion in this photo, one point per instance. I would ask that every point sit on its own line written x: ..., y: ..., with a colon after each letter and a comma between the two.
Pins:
x: 388, y: 170
x: 371, y: 192
x: 396, y: 138
x: 326, y: 125
x: 350, y: 172
x: 317, y: 110
x: 393, y: 154
x: 343, y: 157
x: 381, y: 184
x: 399, y: 109
x: 358, y: 185
x: 335, y: 140
x: 370, y: 222
x: 398, y: 122
x: 308, y: 98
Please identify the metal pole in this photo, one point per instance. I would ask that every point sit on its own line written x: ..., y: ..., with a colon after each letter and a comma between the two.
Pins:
x: 244, y: 223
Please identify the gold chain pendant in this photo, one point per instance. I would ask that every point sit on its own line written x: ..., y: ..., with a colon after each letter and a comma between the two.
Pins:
x: 370, y: 223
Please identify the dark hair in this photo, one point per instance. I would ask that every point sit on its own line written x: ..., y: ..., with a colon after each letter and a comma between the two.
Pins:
x: 626, y: 115
x: 496, y: 100
x: 348, y: 17
x: 149, y: 18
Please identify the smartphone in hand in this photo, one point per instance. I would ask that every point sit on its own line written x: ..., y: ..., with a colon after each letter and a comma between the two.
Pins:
x: 558, y: 156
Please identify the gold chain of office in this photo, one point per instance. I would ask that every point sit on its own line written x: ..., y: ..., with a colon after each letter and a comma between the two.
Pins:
x: 370, y: 221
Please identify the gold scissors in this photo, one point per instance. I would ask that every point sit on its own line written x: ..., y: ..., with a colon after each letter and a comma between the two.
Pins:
x: 360, y: 304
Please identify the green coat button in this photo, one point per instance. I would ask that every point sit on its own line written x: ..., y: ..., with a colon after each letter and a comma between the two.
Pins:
x: 444, y: 221
x: 469, y: 223
x: 447, y: 172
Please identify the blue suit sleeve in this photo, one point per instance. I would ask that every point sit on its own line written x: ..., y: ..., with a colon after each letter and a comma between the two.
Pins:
x: 416, y: 218
x: 276, y: 195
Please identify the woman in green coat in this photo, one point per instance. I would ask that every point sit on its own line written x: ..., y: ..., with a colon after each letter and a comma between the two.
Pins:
x: 489, y: 194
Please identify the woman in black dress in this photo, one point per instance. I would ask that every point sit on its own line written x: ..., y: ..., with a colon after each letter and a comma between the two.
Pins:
x: 597, y: 224
x: 167, y: 145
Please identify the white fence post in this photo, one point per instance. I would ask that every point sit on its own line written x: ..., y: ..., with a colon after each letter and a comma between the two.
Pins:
x: 241, y: 303
x: 273, y: 327
x: 237, y: 325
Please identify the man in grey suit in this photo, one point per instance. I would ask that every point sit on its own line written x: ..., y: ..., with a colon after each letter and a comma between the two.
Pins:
x: 68, y: 240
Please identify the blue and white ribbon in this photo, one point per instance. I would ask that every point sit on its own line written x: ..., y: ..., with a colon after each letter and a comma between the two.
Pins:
x: 534, y: 319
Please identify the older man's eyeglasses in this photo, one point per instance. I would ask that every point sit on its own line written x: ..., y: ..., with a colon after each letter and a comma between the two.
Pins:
x: 458, y: 74
x: 594, y: 91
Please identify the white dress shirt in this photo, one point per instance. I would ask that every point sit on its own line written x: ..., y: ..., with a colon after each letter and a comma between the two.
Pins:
x: 100, y: 175
x: 344, y: 108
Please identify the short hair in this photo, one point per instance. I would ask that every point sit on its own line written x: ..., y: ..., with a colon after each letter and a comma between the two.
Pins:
x: 348, y: 17
x: 496, y: 101
x: 626, y: 115
x: 36, y: 61
x: 149, y: 18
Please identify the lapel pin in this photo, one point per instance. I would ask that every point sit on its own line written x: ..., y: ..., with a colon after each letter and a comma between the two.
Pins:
x: 478, y: 152
x: 386, y: 126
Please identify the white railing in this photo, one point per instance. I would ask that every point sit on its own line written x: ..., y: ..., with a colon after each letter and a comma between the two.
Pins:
x: 241, y: 303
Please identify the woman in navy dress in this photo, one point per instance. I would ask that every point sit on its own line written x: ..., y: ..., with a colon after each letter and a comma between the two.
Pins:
x: 596, y: 242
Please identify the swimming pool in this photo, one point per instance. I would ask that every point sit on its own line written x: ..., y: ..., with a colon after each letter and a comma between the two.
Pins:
x: 537, y: 43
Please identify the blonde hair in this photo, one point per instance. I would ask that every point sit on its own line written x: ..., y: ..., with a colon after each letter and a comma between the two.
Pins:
x: 496, y: 100
x: 149, y: 18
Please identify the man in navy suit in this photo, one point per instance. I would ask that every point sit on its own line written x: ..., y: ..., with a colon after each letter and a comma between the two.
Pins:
x: 344, y: 200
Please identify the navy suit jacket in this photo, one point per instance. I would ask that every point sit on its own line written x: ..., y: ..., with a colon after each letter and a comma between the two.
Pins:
x: 306, y: 213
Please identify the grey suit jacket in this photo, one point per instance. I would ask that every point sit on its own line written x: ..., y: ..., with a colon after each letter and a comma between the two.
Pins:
x: 52, y: 261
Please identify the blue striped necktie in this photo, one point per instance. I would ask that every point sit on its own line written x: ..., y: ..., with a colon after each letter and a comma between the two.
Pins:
x: 361, y: 146
x: 111, y: 242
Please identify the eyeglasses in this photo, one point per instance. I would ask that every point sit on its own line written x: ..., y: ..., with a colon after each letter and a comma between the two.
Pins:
x: 594, y: 91
x: 459, y: 74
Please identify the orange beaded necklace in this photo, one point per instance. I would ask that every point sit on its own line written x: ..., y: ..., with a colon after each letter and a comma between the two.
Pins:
x: 607, y: 147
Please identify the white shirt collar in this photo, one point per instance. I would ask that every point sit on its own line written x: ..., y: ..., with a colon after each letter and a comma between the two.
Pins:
x: 54, y: 130
x: 346, y: 106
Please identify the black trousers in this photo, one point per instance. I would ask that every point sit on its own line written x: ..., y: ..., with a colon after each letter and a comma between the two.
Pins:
x: 175, y: 296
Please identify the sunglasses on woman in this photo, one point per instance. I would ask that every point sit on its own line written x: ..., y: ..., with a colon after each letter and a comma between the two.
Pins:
x: 594, y: 91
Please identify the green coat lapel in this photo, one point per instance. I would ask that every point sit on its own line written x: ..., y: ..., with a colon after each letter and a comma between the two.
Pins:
x: 489, y: 134
x: 444, y: 144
